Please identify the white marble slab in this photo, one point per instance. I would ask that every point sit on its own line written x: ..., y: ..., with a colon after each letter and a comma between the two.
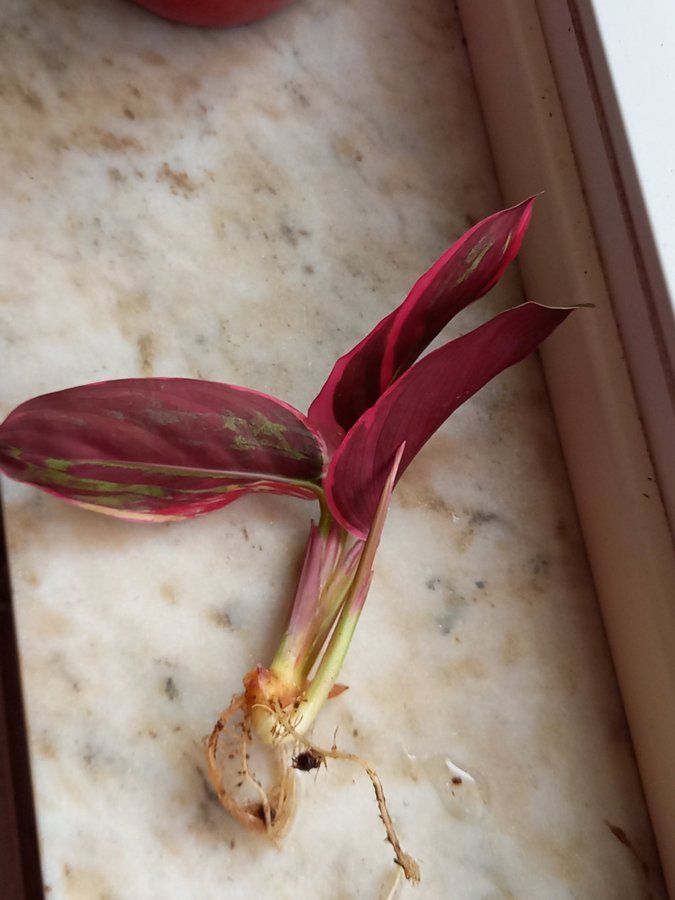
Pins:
x: 243, y: 206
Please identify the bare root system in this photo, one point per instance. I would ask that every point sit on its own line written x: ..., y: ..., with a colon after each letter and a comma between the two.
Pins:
x: 271, y: 813
x: 272, y: 810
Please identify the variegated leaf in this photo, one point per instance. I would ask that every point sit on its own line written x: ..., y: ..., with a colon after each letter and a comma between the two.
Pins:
x: 160, y: 448
x: 418, y: 403
x: 463, y: 273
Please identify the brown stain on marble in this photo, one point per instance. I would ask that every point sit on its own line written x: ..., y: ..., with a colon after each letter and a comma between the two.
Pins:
x: 178, y: 181
x: 84, y: 883
x: 291, y: 234
x: 465, y: 667
x: 564, y: 856
x: 623, y: 838
x: 511, y: 650
x: 269, y: 109
x: 168, y: 593
x: 20, y: 524
x: 129, y: 88
x: 32, y: 99
x: 132, y: 306
x: 298, y: 95
x: 463, y: 538
x: 146, y: 353
x: 45, y: 748
x: 220, y: 617
x: 154, y: 59
x: 117, y: 143
x: 115, y: 175
x: 266, y: 181
x: 51, y: 623
x: 347, y: 148
x: 135, y: 321
x: 170, y: 688
x: 93, y: 140
x: 29, y: 577
x: 417, y: 491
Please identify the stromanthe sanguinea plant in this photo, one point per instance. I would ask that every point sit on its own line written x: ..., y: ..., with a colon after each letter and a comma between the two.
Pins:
x: 158, y: 449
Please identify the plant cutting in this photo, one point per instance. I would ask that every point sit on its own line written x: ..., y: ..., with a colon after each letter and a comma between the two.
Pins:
x: 162, y: 449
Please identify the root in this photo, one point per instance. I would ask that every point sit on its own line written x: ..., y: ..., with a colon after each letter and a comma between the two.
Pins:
x: 272, y: 815
x: 395, y: 886
x: 274, y: 811
x: 410, y: 868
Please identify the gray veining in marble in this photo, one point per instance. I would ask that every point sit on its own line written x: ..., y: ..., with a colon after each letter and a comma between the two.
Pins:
x: 243, y: 206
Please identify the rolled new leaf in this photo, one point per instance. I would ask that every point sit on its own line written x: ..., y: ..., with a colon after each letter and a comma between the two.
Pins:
x: 418, y: 403
x: 463, y: 273
x: 160, y: 448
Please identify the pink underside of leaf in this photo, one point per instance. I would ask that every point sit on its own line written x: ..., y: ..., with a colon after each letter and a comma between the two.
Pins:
x: 160, y: 448
x: 376, y: 527
x: 420, y: 401
x: 463, y: 273
x: 135, y: 511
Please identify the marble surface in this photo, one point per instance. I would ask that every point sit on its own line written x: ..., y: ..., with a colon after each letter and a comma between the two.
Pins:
x: 243, y: 206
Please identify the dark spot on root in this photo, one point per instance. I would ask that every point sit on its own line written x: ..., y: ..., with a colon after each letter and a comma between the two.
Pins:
x: 258, y: 810
x: 307, y: 760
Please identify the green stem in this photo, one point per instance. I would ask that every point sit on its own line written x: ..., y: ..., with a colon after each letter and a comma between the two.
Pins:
x: 329, y: 593
x: 333, y: 604
x: 327, y: 571
x: 334, y: 655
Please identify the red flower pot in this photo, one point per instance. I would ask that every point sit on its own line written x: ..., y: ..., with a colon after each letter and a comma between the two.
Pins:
x: 213, y: 13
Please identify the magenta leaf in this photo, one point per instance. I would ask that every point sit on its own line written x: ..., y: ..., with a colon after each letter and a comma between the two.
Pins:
x: 420, y: 401
x: 160, y: 448
x: 463, y: 273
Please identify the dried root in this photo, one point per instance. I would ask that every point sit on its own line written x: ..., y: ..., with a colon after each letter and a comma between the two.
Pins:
x: 318, y: 756
x: 272, y: 812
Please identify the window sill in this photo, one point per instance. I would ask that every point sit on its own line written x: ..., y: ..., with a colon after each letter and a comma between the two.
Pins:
x: 554, y: 125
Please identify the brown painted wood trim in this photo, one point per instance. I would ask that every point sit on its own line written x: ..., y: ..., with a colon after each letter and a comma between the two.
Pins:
x: 20, y: 872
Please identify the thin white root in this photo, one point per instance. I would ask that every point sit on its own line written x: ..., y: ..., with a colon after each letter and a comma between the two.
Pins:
x: 393, y: 891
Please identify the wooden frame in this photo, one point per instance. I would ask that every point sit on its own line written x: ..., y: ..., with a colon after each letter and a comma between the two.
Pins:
x: 539, y: 118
